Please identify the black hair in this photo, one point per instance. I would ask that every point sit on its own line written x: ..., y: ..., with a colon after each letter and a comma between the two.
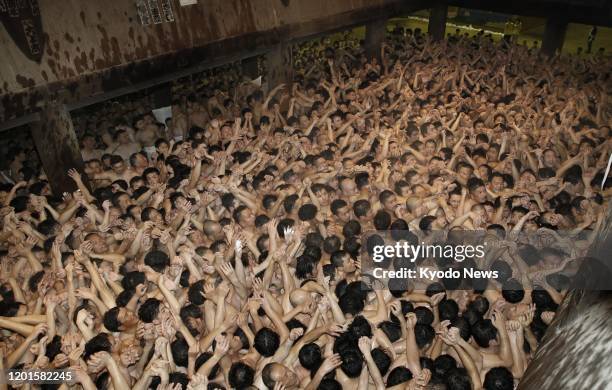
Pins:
x: 147, y: 312
x: 99, y: 342
x: 203, y: 358
x: 381, y: 359
x: 227, y: 200
x: 352, y: 245
x: 314, y: 239
x: 351, y: 303
x: 314, y: 252
x: 458, y: 379
x: 54, y: 347
x: 443, y: 365
x: 504, y: 271
x: 498, y: 378
x: 266, y: 376
x: 426, y: 222
x: 132, y: 279
x: 424, y: 335
x: 190, y: 311
x: 337, y: 258
x: 236, y: 214
x: 268, y: 201
x: 352, y: 362
x: 196, y: 293
x: 543, y: 300
x: 382, y: 220
x: 474, y: 183
x: 398, y: 375
x: 180, y: 348
x: 110, y: 320
x: 310, y: 357
x: 35, y: 280
x: 449, y: 310
x: 241, y: 376
x: 391, y: 329
x: 305, y: 266
x: 360, y: 327
x: 424, y: 315
x: 463, y: 324
x: 124, y: 297
x: 399, y: 230
x: 398, y: 286
x: 361, y: 208
x: 329, y: 384
x: 179, y: 377
x: 266, y: 342
x: 332, y: 244
x: 434, y: 288
x: 307, y: 212
x: 157, y: 260
x: 483, y: 332
x: 19, y: 203
x: 47, y: 226
x: 351, y: 229
x: 512, y: 291
x: 336, y: 205
x: 289, y: 202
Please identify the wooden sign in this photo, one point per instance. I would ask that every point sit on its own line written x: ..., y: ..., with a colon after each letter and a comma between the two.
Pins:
x: 155, y: 12
x: 21, y: 19
x: 143, y: 12
x: 166, y: 7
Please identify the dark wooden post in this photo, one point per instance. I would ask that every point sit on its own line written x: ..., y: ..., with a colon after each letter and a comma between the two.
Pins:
x: 437, y: 21
x: 250, y: 67
x: 554, y: 34
x: 280, y: 65
x: 375, y: 36
x: 162, y: 95
x: 580, y: 329
x: 57, y: 146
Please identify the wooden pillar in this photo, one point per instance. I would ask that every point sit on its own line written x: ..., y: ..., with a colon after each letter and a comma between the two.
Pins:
x: 437, y: 21
x: 554, y: 34
x: 580, y: 328
x: 162, y: 95
x: 280, y: 65
x: 57, y: 146
x: 250, y: 67
x: 374, y: 38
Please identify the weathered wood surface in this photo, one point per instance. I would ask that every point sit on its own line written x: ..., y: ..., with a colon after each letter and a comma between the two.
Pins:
x: 575, y: 351
x: 93, y: 47
x: 57, y: 146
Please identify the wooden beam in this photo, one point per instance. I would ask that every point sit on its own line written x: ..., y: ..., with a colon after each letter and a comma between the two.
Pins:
x: 111, y: 83
x: 375, y: 36
x: 437, y: 21
x: 57, y: 146
x: 280, y: 66
x: 592, y: 12
x: 554, y: 35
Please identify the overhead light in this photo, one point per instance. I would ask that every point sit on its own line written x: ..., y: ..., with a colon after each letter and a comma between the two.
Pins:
x: 187, y: 2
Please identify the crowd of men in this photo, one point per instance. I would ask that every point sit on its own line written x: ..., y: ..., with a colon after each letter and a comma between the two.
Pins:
x: 223, y: 248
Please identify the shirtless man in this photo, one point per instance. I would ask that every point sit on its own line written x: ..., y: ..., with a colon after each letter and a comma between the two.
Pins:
x: 147, y: 132
x: 88, y: 148
x: 119, y: 171
x: 177, y: 125
x: 125, y: 147
x: 197, y: 114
